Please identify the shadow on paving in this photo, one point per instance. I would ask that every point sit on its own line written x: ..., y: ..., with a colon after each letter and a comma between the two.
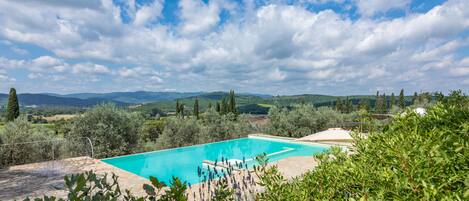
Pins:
x: 17, y: 184
x: 35, y: 180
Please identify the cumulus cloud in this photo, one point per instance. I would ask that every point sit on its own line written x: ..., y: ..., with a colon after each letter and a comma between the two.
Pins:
x: 460, y: 71
x: 273, y: 48
x: 148, y: 13
x: 371, y: 7
x: 139, y: 73
x: 4, y: 76
x: 90, y: 68
x: 198, y: 17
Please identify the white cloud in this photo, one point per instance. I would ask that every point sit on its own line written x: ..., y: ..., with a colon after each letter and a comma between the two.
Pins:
x: 148, y: 13
x: 371, y: 7
x: 34, y: 75
x: 90, y: 68
x: 4, y: 76
x: 460, y: 71
x: 197, y: 16
x: 277, y: 75
x: 10, y: 64
x: 271, y: 48
x: 46, y: 61
x: 140, y: 74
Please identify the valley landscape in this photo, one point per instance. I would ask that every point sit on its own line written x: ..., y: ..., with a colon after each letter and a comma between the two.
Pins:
x: 234, y: 100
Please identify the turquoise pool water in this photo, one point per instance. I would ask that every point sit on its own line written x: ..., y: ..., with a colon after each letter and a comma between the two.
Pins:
x: 183, y: 162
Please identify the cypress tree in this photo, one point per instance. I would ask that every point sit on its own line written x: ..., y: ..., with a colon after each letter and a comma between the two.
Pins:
x: 178, y: 107
x: 377, y: 102
x: 232, y: 102
x: 217, y: 108
x: 196, y: 108
x: 13, y: 107
x: 401, y: 99
x: 209, y: 106
x: 181, y: 110
x: 385, y: 104
x: 393, y: 100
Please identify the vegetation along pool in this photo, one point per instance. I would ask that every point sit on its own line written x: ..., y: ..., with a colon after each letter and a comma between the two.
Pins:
x: 183, y: 162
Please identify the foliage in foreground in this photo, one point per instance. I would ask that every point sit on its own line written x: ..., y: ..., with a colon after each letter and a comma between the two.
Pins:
x: 215, y: 184
x: 89, y: 186
x: 414, y: 158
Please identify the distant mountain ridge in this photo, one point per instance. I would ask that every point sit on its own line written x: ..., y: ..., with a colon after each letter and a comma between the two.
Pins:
x: 118, y: 98
x: 133, y: 97
x: 28, y: 99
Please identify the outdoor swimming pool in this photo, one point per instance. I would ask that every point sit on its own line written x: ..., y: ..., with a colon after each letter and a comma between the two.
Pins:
x: 183, y: 162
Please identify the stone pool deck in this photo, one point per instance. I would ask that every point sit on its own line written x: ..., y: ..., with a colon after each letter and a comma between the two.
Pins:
x: 35, y: 180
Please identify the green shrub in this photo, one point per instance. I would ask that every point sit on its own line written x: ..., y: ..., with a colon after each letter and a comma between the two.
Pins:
x: 113, y: 131
x: 17, y: 149
x: 152, y: 129
x: 89, y: 186
x: 210, y: 127
x: 303, y: 119
x: 179, y: 132
x: 216, y: 127
x: 414, y: 158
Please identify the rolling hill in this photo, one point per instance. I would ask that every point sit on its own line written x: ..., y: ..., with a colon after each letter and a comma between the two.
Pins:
x: 39, y: 100
x: 132, y: 97
x: 247, y: 103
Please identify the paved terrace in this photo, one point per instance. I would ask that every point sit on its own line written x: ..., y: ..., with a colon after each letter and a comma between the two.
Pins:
x: 37, y: 179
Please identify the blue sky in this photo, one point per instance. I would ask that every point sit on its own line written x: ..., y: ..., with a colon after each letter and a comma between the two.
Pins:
x: 262, y: 46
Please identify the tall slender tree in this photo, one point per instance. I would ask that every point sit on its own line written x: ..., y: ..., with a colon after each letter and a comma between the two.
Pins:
x: 178, y: 107
x: 393, y: 100
x: 232, y: 102
x: 377, y: 102
x: 196, y: 108
x: 385, y: 104
x: 209, y: 106
x: 401, y: 99
x: 181, y: 110
x: 13, y: 107
x: 217, y: 108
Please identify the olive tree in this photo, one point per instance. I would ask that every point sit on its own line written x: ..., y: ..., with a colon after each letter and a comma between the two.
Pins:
x: 179, y: 132
x: 216, y: 127
x: 211, y: 126
x: 25, y: 143
x: 113, y: 131
x: 303, y: 119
